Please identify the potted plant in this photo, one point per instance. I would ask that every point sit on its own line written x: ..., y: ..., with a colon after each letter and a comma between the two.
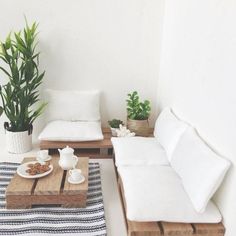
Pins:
x: 114, y: 125
x: 20, y: 93
x: 138, y: 114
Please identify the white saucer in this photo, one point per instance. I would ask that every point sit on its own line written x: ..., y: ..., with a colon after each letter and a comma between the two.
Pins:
x: 71, y: 181
x: 48, y: 159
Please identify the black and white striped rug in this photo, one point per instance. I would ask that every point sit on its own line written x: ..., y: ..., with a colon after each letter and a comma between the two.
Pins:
x: 89, y: 221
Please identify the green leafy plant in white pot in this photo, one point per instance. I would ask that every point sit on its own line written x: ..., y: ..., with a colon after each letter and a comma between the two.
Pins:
x: 138, y: 113
x: 20, y: 94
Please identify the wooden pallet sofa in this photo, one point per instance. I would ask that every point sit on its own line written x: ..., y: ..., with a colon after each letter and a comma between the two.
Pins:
x: 73, y: 119
x: 167, y: 182
x: 161, y: 228
x: 94, y: 149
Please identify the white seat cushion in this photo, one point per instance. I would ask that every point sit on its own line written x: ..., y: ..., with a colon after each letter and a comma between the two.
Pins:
x: 72, y: 105
x: 138, y: 151
x: 155, y: 193
x: 168, y: 130
x: 200, y: 168
x: 72, y: 131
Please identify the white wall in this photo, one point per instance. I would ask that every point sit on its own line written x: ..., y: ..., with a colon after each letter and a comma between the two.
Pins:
x: 198, y: 79
x: 104, y: 44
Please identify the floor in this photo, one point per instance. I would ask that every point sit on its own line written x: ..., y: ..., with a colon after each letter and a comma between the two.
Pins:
x: 112, y: 204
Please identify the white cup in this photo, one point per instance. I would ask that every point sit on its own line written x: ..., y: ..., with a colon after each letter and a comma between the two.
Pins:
x: 42, y: 155
x: 75, y: 174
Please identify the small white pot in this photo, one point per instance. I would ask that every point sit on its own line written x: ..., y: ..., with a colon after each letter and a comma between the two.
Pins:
x: 18, y: 142
x: 113, y: 132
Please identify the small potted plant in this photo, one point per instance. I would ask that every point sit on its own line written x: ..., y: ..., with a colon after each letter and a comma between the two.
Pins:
x: 20, y: 94
x: 114, y: 125
x: 138, y: 113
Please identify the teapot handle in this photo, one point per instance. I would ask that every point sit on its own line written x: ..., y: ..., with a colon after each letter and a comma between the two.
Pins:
x: 76, y: 161
x: 70, y: 172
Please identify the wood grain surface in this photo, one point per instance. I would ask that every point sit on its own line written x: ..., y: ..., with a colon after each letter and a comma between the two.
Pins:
x: 51, y: 184
x: 71, y: 189
x: 53, y: 189
x: 19, y: 185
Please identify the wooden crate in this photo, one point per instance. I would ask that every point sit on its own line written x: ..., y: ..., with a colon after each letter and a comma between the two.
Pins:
x: 53, y: 189
x: 168, y: 228
x: 93, y: 149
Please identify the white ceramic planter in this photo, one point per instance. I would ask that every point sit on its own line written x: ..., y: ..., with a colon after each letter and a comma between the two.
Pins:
x: 113, y: 132
x: 18, y: 142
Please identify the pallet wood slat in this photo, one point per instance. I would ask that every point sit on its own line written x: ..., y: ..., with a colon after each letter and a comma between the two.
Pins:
x: 49, y: 189
x: 52, y: 183
x: 135, y: 228
x: 209, y: 229
x: 180, y: 229
x: 19, y: 185
x: 70, y: 189
x: 144, y: 229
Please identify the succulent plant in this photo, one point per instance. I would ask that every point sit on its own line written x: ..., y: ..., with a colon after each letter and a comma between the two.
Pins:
x: 114, y: 123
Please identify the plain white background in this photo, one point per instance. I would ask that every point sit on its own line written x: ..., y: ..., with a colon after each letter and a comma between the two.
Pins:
x: 89, y: 44
x: 198, y: 79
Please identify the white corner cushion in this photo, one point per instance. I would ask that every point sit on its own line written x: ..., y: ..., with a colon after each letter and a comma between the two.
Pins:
x: 72, y: 105
x: 155, y: 193
x: 72, y: 131
x: 199, y: 167
x: 138, y: 151
x: 168, y: 129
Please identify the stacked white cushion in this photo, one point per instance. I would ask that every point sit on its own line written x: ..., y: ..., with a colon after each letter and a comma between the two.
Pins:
x: 73, y: 105
x: 72, y: 131
x: 168, y: 130
x: 155, y: 193
x: 139, y: 151
x: 200, y: 169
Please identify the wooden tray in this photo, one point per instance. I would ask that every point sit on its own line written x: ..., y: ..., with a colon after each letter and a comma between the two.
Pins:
x: 53, y: 189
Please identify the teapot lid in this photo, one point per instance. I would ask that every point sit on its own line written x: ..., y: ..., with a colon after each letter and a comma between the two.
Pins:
x: 67, y: 150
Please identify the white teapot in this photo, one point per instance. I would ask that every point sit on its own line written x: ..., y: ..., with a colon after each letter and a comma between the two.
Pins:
x: 67, y: 158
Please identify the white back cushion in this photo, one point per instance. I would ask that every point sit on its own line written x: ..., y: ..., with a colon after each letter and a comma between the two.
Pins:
x: 168, y: 130
x: 200, y: 169
x: 73, y: 105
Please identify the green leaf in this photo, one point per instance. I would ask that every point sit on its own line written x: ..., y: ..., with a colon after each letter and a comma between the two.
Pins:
x: 1, y: 110
x: 5, y: 71
x: 8, y: 41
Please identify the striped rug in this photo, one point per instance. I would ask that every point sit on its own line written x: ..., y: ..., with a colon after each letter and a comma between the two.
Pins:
x: 89, y: 221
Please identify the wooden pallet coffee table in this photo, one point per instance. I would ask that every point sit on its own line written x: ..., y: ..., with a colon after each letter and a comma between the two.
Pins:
x: 53, y: 189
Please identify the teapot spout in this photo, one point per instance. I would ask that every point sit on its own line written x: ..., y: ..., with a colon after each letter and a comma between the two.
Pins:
x: 59, y: 150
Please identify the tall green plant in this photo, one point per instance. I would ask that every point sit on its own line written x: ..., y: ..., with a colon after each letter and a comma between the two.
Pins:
x: 137, y: 110
x: 20, y: 94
